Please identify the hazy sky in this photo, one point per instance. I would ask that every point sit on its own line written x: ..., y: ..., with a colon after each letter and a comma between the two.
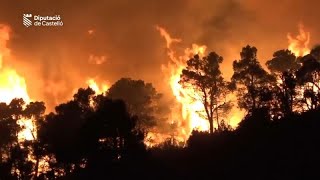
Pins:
x: 55, y: 60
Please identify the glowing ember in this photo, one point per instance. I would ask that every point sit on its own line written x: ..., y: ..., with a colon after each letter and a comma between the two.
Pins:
x: 299, y: 44
x: 11, y: 84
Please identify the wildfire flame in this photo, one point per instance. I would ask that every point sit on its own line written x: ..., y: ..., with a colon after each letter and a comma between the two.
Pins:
x: 12, y: 85
x: 299, y: 44
x: 99, y: 89
x: 167, y: 36
x: 186, y: 114
x: 189, y: 106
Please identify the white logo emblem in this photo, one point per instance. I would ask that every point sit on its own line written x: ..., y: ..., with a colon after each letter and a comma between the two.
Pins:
x: 26, y: 21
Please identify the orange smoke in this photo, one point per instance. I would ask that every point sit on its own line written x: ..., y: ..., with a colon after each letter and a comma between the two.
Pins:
x: 12, y: 85
x: 299, y: 44
x: 93, y: 59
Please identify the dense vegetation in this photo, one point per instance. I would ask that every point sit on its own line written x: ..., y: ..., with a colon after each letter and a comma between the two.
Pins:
x: 102, y: 136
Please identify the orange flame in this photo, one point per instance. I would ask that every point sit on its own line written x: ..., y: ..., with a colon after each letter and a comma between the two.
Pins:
x: 188, y: 113
x: 167, y: 36
x: 190, y: 107
x: 99, y: 89
x: 12, y: 85
x: 299, y: 44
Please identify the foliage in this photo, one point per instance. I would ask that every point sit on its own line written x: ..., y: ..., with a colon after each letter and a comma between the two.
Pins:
x: 204, y: 77
x: 142, y: 100
x: 282, y: 66
x: 252, y: 81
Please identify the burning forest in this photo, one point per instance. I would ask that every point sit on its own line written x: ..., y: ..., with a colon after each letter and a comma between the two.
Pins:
x: 162, y: 90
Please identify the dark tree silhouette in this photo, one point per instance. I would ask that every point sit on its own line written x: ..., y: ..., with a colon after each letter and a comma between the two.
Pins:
x: 60, y: 131
x: 253, y: 82
x: 17, y: 162
x: 9, y: 129
x: 87, y: 132
x: 35, y: 112
x: 315, y: 52
x: 282, y: 61
x: 22, y: 166
x: 8, y: 124
x: 203, y: 75
x: 308, y: 77
x: 142, y: 100
x: 283, y: 65
x: 111, y: 130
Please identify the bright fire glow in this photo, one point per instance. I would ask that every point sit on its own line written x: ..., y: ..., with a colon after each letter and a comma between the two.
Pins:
x: 299, y: 44
x: 11, y: 84
x: 188, y: 114
x: 190, y: 107
x: 99, y: 89
x: 300, y: 47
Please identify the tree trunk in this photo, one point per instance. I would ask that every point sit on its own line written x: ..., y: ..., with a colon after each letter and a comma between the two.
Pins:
x: 211, y: 125
x: 253, y: 96
x: 217, y: 114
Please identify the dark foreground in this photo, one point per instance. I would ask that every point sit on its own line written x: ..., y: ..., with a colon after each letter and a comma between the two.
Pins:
x: 260, y: 149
